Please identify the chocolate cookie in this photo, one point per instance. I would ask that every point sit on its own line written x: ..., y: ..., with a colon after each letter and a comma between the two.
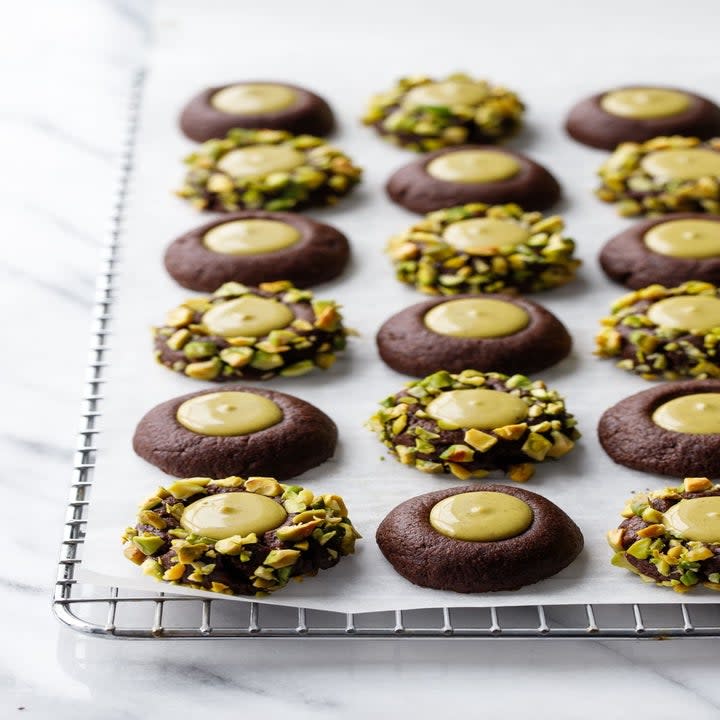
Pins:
x: 241, y: 430
x: 494, y: 332
x: 665, y: 332
x: 665, y: 251
x: 673, y: 429
x: 237, y: 536
x: 663, y: 175
x: 479, y: 248
x: 250, y: 333
x: 441, y: 541
x: 256, y: 104
x: 266, y: 169
x: 636, y: 114
x: 469, y: 174
x: 470, y: 423
x: 672, y: 536
x: 256, y: 246
x: 420, y: 113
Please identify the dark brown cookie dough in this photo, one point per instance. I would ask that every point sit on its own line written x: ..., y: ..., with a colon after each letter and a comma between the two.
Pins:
x: 470, y: 423
x: 302, y: 439
x: 589, y: 123
x: 630, y: 437
x: 627, y: 259
x: 320, y: 254
x: 648, y: 543
x: 430, y: 559
x: 413, y: 187
x: 186, y: 536
x: 408, y: 345
x: 306, y: 113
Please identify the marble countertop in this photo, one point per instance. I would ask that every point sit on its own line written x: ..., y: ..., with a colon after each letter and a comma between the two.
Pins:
x: 65, y: 82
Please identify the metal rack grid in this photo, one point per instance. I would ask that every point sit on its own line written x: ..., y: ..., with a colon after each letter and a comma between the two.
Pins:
x: 107, y: 612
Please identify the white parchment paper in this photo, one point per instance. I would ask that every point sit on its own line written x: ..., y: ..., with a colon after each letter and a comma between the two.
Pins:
x: 346, y: 62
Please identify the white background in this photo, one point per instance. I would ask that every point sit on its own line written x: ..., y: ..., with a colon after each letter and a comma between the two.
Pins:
x: 65, y: 73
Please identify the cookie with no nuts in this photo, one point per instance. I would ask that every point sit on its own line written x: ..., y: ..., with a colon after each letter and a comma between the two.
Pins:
x: 256, y: 246
x: 639, y: 113
x: 673, y: 429
x: 256, y: 104
x: 470, y: 541
x: 494, y: 332
x: 668, y: 251
x: 472, y: 174
x: 239, y: 431
x: 238, y: 536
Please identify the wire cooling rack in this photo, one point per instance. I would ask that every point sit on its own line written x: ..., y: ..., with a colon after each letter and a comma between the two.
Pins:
x: 111, y: 613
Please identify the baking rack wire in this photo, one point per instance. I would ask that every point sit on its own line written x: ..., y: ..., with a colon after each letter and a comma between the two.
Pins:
x: 110, y: 613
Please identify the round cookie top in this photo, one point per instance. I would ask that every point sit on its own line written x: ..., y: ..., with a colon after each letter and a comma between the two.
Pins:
x: 257, y: 246
x: 226, y: 414
x: 639, y: 113
x: 670, y: 536
x: 663, y: 175
x: 520, y: 251
x: 664, y: 332
x: 660, y: 431
x: 472, y: 174
x: 255, y: 333
x: 666, y: 251
x: 251, y: 236
x: 481, y: 516
x: 464, y: 540
x: 422, y: 113
x: 255, y: 104
x: 645, y: 102
x: 253, y: 98
x: 493, y: 332
x: 238, y: 536
x: 253, y: 430
x: 270, y: 169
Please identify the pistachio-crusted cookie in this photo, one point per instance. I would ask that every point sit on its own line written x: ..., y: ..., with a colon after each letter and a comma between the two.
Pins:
x: 660, y: 332
x: 663, y: 175
x: 481, y: 248
x: 251, y: 333
x: 421, y: 113
x: 471, y: 422
x: 672, y: 536
x: 267, y: 169
x: 238, y: 536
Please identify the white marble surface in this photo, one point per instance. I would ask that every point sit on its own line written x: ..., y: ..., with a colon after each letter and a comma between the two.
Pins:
x: 65, y: 69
